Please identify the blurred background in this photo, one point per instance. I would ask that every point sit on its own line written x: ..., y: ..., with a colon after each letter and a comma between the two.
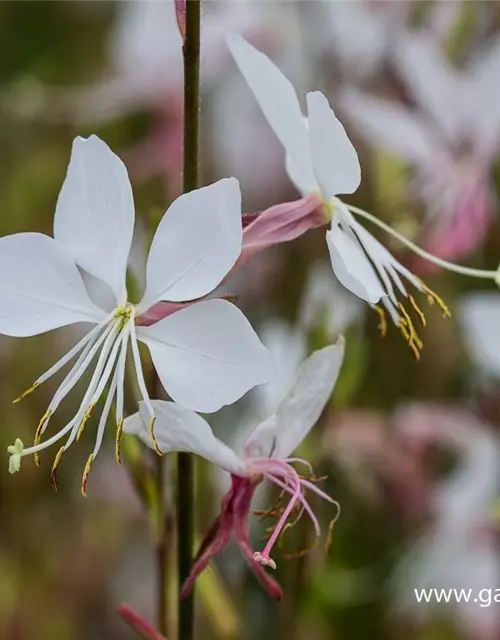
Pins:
x: 411, y: 449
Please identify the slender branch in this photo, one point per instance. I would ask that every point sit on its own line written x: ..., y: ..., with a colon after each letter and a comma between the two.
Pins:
x: 185, y: 461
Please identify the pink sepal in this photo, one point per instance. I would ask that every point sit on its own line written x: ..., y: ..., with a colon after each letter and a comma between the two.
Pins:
x: 233, y: 520
x: 283, y: 223
x: 138, y: 624
x: 180, y: 12
x: 159, y: 311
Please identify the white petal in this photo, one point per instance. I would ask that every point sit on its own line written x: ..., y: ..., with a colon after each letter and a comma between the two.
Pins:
x: 207, y: 355
x: 196, y: 244
x: 278, y: 100
x: 94, y: 217
x: 352, y: 267
x: 479, y: 316
x: 388, y: 125
x: 281, y: 434
x: 40, y: 287
x: 435, y: 85
x: 334, y: 158
x: 179, y: 429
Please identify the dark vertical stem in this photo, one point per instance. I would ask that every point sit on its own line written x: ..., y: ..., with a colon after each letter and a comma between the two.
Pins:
x: 185, y: 462
x: 161, y: 544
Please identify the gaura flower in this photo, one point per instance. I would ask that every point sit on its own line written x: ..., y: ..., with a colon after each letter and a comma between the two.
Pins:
x: 266, y: 457
x: 206, y: 354
x: 321, y: 160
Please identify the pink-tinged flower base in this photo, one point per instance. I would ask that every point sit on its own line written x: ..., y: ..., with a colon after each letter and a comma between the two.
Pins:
x: 283, y: 223
x: 233, y: 520
x: 235, y: 510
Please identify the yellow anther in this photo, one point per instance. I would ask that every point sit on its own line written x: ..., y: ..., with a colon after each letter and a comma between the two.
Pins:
x: 433, y: 297
x: 151, y: 430
x: 329, y: 536
x: 303, y: 552
x: 38, y: 434
x: 53, y: 473
x: 26, y: 393
x: 382, y: 325
x: 119, y: 432
x: 84, y: 421
x: 418, y: 311
x: 408, y: 330
x: 85, y: 476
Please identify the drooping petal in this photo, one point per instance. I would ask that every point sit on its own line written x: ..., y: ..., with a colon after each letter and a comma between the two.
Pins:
x: 196, y: 244
x: 207, y: 355
x: 94, y: 217
x: 335, y: 161
x: 352, y: 267
x: 179, y: 429
x: 278, y: 436
x: 278, y: 100
x: 41, y: 288
x: 479, y: 316
x: 387, y: 125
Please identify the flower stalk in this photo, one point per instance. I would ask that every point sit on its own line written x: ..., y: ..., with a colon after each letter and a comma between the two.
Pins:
x: 185, y: 461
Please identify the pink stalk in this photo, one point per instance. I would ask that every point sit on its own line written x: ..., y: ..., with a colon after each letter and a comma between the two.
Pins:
x: 138, y: 624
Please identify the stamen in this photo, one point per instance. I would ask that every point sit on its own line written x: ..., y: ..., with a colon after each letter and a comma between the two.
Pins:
x: 329, y: 536
x: 85, y: 341
x: 38, y: 435
x: 85, y: 476
x: 53, y: 473
x: 382, y: 325
x: 153, y: 437
x: 34, y: 386
x: 302, y: 552
x: 119, y: 432
x: 418, y: 311
x: 409, y: 333
x: 433, y: 297
x: 84, y: 421
x: 79, y: 369
x: 105, y: 413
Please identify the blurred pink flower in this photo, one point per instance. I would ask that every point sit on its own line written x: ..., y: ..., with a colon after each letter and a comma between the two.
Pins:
x: 453, y: 552
x: 451, y: 139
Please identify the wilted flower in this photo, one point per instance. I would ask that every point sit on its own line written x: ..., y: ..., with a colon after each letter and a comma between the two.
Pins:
x: 266, y: 456
x: 321, y: 162
x: 206, y: 354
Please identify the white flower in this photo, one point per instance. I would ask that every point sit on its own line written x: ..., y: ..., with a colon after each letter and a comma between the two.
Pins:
x: 267, y: 450
x: 321, y: 159
x: 206, y: 354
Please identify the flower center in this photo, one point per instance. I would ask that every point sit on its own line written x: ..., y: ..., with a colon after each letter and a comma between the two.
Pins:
x: 108, y: 342
x: 283, y: 474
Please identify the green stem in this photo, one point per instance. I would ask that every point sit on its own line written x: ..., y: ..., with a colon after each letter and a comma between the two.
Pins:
x: 185, y: 461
